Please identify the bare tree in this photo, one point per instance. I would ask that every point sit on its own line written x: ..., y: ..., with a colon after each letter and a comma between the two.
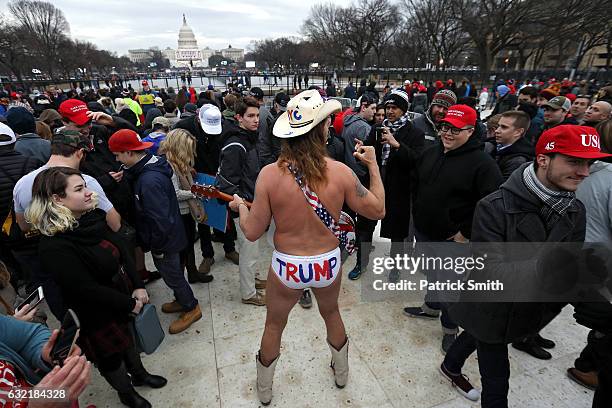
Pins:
x: 493, y: 25
x: 13, y: 52
x: 45, y: 25
x: 349, y: 33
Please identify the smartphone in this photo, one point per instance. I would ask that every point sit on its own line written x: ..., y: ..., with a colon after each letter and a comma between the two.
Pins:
x: 33, y: 299
x: 66, y: 340
x: 378, y: 133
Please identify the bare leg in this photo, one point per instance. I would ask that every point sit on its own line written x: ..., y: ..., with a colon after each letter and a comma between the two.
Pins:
x: 327, y: 300
x: 279, y: 302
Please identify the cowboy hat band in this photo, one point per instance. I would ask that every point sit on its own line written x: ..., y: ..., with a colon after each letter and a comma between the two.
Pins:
x: 304, y: 112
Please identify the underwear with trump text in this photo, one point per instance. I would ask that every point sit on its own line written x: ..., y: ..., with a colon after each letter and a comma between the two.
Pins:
x: 300, y: 272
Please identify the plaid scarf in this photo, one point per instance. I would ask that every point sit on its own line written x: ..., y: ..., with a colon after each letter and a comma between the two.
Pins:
x: 556, y: 203
x: 394, y: 126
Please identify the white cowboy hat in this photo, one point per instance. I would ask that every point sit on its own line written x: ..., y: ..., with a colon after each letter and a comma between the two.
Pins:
x: 304, y: 111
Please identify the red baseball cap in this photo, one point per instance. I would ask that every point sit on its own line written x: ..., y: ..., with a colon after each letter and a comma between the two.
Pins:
x: 125, y: 140
x: 75, y: 111
x: 145, y: 82
x: 571, y: 140
x: 460, y: 116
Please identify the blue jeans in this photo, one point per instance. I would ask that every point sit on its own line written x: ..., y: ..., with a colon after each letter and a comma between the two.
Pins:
x: 169, y: 266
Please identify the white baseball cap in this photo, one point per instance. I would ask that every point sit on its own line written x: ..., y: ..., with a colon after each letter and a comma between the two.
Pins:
x: 5, y: 130
x: 210, y: 119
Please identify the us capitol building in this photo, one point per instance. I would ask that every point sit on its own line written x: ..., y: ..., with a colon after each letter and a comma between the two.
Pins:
x: 188, y: 54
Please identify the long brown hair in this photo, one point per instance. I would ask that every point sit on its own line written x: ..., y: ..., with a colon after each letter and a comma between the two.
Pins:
x: 605, y: 135
x: 307, y: 153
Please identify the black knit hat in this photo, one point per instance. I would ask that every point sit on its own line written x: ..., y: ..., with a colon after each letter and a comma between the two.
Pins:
x: 397, y: 98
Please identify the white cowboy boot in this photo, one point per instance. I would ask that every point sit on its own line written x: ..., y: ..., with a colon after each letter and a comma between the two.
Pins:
x: 339, y: 363
x: 265, y: 375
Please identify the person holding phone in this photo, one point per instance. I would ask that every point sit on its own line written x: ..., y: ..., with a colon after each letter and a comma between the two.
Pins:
x: 398, y: 145
x: 95, y: 272
x: 25, y: 362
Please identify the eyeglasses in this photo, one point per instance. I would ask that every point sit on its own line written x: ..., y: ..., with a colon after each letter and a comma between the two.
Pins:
x: 453, y: 130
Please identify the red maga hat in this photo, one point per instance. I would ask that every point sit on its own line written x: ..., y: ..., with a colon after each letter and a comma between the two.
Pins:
x: 75, y: 111
x: 460, y: 116
x: 571, y: 140
x: 125, y: 140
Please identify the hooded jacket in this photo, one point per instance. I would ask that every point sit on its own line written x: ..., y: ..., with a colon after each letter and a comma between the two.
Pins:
x: 513, y: 156
x: 512, y: 214
x: 448, y: 187
x: 426, y: 124
x: 238, y: 163
x: 355, y: 127
x: 596, y: 193
x: 158, y: 219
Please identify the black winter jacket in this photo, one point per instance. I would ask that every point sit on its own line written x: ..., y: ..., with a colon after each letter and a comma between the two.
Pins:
x: 513, y: 156
x: 208, y: 147
x: 13, y: 166
x: 239, y: 163
x: 84, y: 271
x: 448, y: 187
x: 397, y: 178
x: 512, y: 214
x: 101, y: 161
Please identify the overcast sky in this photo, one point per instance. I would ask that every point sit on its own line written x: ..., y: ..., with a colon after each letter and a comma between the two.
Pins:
x: 119, y: 25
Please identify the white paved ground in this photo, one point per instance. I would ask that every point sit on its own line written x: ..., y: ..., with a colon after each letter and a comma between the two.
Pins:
x: 393, y: 359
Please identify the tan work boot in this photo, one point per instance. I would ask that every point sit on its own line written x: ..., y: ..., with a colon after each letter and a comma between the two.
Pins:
x: 185, y: 320
x: 339, y: 363
x: 260, y: 284
x: 265, y: 376
x: 205, y: 265
x: 172, y: 307
x: 257, y: 300
x: 233, y: 256
x: 587, y: 379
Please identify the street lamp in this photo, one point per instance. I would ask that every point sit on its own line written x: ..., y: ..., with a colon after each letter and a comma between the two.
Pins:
x: 506, y: 64
x: 441, y: 63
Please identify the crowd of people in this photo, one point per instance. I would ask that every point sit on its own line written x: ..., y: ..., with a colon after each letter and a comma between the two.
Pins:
x: 90, y: 181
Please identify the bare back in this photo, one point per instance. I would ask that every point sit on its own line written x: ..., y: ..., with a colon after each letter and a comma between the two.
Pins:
x: 299, y: 231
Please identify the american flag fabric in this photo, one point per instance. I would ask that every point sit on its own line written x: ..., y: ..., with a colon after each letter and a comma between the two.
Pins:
x: 344, y: 232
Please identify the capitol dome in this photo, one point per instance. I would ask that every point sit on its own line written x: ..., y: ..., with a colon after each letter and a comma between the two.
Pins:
x: 186, y: 39
x: 187, y: 54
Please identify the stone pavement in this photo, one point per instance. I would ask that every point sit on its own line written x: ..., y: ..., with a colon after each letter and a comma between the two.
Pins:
x: 393, y: 359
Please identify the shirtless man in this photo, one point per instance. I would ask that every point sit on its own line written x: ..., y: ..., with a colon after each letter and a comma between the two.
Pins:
x: 306, y: 252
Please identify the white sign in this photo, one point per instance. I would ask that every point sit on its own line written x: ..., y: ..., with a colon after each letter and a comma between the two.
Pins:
x: 314, y: 65
x: 250, y: 64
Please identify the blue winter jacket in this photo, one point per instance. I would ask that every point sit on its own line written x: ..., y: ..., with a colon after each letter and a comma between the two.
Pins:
x: 158, y: 219
x: 21, y: 345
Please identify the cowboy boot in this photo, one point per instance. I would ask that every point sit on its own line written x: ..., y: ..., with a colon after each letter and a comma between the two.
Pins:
x: 265, y: 375
x: 339, y: 363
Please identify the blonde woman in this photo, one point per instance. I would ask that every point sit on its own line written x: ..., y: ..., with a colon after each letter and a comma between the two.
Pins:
x: 179, y: 149
x: 95, y: 272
